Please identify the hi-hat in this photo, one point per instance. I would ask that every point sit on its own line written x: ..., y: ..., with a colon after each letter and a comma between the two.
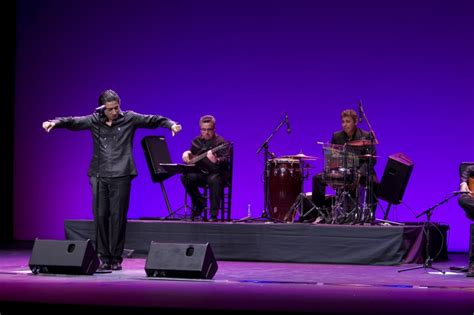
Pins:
x: 360, y: 143
x: 301, y: 156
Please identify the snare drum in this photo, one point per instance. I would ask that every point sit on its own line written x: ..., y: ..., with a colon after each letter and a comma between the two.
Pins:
x: 285, y: 184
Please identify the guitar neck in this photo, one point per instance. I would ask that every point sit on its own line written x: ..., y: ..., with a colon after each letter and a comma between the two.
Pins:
x: 201, y: 156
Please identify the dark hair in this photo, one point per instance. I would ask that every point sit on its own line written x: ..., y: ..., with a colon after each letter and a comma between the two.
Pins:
x: 349, y: 113
x: 108, y: 96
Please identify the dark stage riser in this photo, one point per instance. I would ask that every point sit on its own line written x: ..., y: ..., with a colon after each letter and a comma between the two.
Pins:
x: 277, y: 242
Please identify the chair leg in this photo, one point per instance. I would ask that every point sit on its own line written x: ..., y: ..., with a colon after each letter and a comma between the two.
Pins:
x: 204, y: 211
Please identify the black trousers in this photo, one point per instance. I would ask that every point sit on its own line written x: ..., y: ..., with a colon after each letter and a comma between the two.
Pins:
x: 467, y: 204
x: 111, y: 198
x: 214, y: 181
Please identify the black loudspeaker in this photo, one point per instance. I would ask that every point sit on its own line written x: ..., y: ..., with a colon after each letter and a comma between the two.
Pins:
x: 65, y: 257
x: 195, y: 261
x: 395, y: 178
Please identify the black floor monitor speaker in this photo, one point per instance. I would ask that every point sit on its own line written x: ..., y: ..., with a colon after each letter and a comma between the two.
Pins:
x: 64, y: 257
x: 181, y: 260
x: 395, y: 178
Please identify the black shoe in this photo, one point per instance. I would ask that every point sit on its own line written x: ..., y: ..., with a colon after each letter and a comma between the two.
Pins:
x: 116, y: 266
x: 213, y: 219
x: 470, y: 271
x: 104, y: 266
x: 459, y: 269
x: 196, y: 213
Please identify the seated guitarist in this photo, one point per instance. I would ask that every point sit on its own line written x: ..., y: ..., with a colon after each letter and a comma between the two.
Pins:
x: 209, y: 152
x: 466, y: 201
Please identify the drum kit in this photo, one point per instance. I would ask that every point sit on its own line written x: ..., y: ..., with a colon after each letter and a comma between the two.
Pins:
x: 286, y: 175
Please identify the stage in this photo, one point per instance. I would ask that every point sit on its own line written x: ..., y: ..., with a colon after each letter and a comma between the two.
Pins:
x: 284, y: 242
x: 239, y: 287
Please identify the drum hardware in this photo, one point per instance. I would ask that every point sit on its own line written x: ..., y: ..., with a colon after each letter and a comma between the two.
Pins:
x: 370, y: 178
x: 340, y: 213
x: 297, y: 208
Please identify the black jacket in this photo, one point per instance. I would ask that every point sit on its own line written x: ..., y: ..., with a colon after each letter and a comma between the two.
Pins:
x: 341, y: 138
x: 113, y: 152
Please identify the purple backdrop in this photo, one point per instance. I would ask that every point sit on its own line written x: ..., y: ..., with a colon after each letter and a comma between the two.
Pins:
x: 247, y: 63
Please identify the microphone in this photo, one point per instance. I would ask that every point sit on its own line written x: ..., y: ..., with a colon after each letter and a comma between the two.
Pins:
x: 360, y: 112
x: 288, y: 129
x: 460, y: 192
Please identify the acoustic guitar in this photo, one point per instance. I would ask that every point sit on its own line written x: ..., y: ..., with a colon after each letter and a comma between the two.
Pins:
x: 470, y: 183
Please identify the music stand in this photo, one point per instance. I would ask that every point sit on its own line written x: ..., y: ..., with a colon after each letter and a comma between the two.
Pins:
x: 159, y: 162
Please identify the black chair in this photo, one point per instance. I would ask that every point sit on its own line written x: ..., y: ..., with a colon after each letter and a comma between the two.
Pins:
x: 226, y: 200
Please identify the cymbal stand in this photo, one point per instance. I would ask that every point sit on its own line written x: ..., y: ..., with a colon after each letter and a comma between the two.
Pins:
x: 369, y: 208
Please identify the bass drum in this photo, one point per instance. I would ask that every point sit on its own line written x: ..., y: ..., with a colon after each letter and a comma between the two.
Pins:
x: 285, y: 184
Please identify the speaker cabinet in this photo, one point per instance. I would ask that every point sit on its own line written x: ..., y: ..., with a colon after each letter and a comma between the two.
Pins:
x: 173, y: 260
x: 395, y: 178
x: 64, y: 257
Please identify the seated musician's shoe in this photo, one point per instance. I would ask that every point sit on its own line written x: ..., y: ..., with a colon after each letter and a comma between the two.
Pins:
x: 213, y: 219
x: 116, y: 266
x: 470, y: 271
x: 196, y: 214
x: 104, y: 267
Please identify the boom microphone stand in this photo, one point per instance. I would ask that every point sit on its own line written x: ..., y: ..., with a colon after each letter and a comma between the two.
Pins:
x: 266, y: 171
x: 428, y: 262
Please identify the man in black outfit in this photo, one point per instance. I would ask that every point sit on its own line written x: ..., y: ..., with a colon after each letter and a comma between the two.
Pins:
x: 112, y: 168
x: 359, y: 144
x: 466, y: 201
x: 213, y: 164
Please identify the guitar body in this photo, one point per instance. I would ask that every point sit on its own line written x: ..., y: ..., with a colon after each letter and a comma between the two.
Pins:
x: 470, y: 183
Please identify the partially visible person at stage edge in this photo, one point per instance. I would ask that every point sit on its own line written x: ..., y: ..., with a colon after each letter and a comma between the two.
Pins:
x: 213, y: 165
x: 466, y: 201
x: 348, y: 139
x: 112, y: 168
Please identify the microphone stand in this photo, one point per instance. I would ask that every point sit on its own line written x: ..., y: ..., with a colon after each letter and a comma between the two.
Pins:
x: 266, y: 172
x: 426, y: 227
x: 97, y: 190
x: 370, y: 180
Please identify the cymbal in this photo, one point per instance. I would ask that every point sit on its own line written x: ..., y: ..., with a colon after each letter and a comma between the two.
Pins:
x: 301, y: 156
x: 360, y: 143
x: 366, y: 156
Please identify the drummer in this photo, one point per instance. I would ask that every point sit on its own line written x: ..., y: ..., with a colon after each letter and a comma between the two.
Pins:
x: 357, y: 141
